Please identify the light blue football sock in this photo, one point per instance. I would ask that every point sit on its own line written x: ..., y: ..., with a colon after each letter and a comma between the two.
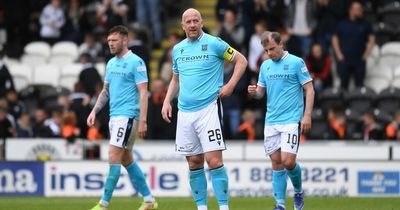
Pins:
x: 279, y: 186
x: 111, y: 182
x: 219, y: 180
x: 295, y: 177
x: 138, y: 179
x: 198, y: 184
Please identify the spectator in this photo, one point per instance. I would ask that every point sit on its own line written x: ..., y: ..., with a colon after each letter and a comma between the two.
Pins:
x: 353, y: 41
x: 157, y: 127
x: 300, y: 25
x: 372, y: 130
x: 6, y: 80
x: 54, y: 123
x: 89, y: 77
x: 232, y: 31
x: 327, y: 21
x: 150, y: 10
x: 393, y: 129
x: 52, y: 20
x: 165, y: 64
x: 69, y: 128
x: 319, y: 64
x: 40, y: 129
x: 113, y: 12
x: 222, y: 6
x: 6, y: 127
x: 72, y: 30
x: 233, y: 104
x: 247, y: 130
x: 15, y: 107
x: 80, y: 102
x: 91, y: 47
x: 255, y: 48
x: 24, y: 127
x: 137, y: 46
x: 337, y: 123
x: 93, y: 133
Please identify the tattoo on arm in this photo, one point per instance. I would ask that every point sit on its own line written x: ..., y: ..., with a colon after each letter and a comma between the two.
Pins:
x: 103, y: 99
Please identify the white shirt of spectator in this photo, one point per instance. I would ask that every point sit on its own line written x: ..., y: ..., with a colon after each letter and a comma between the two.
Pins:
x: 300, y: 26
x: 51, y: 19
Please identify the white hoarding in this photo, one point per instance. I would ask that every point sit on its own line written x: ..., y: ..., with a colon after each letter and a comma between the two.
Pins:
x: 166, y: 151
x: 329, y: 151
x: 250, y: 178
x: 396, y: 152
x: 43, y: 149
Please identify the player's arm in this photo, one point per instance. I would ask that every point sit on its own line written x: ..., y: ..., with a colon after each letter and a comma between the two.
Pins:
x: 240, y: 66
x: 306, y: 121
x: 336, y: 47
x: 143, y: 101
x: 370, y: 46
x: 256, y: 91
x: 173, y: 88
x: 102, y: 100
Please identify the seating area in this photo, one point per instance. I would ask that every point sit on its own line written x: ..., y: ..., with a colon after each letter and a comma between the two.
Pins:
x: 383, y: 67
x: 42, y: 64
x: 356, y: 103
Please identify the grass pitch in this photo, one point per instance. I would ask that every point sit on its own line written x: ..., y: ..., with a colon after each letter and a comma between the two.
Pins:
x: 126, y: 203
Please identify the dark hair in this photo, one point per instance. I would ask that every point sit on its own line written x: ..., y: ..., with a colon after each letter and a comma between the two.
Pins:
x: 267, y: 36
x: 118, y: 29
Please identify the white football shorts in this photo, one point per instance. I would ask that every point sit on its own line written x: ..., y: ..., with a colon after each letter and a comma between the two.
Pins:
x: 122, y: 132
x: 285, y: 137
x: 201, y: 131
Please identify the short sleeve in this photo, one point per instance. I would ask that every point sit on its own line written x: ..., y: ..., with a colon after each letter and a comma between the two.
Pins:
x: 174, y: 65
x: 261, y: 77
x: 107, y: 75
x: 140, y: 72
x: 223, y: 49
x: 302, y: 72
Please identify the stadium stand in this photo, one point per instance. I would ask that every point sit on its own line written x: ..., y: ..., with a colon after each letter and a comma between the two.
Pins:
x: 46, y: 74
x: 38, y: 48
x: 22, y: 75
x: 388, y: 100
x: 69, y: 75
x: 361, y: 99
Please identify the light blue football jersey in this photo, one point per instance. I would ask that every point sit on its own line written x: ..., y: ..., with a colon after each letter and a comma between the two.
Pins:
x: 122, y: 75
x: 283, y: 81
x: 200, y: 66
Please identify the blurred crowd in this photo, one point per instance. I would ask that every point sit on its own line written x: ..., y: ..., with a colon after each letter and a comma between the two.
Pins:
x: 334, y: 38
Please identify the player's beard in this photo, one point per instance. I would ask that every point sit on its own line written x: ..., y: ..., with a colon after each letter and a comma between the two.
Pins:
x: 117, y: 50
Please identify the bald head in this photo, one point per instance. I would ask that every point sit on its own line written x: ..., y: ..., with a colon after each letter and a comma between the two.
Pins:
x: 191, y: 12
x: 192, y: 23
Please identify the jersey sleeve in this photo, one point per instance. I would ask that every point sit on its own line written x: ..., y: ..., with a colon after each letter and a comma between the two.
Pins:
x: 223, y: 49
x: 261, y: 78
x: 302, y: 72
x: 174, y: 64
x: 106, y: 74
x: 140, y: 72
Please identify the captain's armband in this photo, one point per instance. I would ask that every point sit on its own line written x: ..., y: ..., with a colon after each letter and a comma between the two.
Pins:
x: 229, y: 53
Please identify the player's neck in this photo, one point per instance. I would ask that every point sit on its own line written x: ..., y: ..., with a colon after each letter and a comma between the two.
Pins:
x: 197, y: 38
x: 122, y: 53
x: 282, y: 55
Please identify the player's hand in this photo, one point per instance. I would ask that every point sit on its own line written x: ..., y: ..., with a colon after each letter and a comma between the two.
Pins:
x: 225, y: 91
x: 252, y: 89
x: 90, y: 120
x: 166, y: 112
x: 142, y: 130
x: 306, y: 124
